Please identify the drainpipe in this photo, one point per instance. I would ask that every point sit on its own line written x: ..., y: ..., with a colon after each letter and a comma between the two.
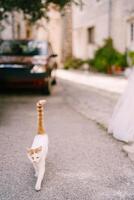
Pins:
x: 110, y: 18
x: 62, y: 35
x: 13, y: 24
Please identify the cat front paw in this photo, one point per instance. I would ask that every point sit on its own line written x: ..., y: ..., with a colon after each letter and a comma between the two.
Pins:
x: 37, y: 188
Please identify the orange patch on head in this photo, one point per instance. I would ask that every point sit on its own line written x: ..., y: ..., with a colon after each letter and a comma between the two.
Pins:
x: 36, y: 150
x: 30, y: 151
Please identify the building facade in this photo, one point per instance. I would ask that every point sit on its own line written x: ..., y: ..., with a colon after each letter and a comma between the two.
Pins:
x: 57, y: 30
x: 96, y: 20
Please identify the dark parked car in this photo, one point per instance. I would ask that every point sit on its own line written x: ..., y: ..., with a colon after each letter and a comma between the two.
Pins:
x: 27, y: 64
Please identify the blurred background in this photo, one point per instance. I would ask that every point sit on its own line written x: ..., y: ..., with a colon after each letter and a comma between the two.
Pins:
x: 75, y: 30
x: 97, y: 36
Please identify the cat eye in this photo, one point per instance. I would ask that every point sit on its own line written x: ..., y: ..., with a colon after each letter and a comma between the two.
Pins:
x: 37, y: 157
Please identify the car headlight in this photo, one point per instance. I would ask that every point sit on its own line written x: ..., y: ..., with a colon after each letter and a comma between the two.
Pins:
x: 38, y: 69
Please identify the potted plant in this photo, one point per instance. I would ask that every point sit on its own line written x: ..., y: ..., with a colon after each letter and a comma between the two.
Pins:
x: 107, y: 59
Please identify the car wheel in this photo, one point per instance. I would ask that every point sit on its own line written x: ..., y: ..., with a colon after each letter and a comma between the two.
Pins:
x: 47, y: 89
x: 54, y: 82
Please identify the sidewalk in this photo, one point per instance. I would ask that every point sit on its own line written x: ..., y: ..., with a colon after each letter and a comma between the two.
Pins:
x: 96, y: 80
x: 93, y: 95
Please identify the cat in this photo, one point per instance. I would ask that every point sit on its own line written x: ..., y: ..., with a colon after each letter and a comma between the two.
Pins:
x: 38, y: 152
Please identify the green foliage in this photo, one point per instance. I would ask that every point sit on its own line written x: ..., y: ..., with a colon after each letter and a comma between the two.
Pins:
x: 122, y: 60
x: 107, y: 56
x: 60, y: 3
x: 131, y: 56
x: 73, y: 63
x: 32, y: 9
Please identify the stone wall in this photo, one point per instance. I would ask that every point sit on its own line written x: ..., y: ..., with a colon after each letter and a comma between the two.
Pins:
x: 67, y: 34
x: 58, y: 30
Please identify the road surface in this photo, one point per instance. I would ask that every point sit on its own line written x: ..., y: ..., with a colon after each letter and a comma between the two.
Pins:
x: 84, y: 162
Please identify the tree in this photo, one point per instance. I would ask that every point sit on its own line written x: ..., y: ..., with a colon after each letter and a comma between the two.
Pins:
x: 33, y: 10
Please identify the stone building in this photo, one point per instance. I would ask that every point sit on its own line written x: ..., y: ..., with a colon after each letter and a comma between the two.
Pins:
x: 96, y: 20
x: 58, y: 31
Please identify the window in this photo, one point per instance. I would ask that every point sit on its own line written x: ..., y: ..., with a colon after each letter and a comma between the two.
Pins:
x: 132, y: 31
x: 18, y: 31
x: 28, y: 33
x: 91, y: 32
x: 28, y: 30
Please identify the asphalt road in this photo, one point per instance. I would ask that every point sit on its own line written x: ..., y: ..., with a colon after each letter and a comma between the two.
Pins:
x: 84, y: 163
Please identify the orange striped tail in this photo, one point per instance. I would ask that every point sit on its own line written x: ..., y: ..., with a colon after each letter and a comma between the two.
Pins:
x: 40, y: 115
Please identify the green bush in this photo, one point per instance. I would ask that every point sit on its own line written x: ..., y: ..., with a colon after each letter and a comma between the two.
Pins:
x: 121, y: 60
x: 73, y: 63
x: 131, y: 56
x: 107, y: 56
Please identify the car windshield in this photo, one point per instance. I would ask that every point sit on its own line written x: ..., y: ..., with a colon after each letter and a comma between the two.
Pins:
x: 23, y: 48
x: 11, y: 66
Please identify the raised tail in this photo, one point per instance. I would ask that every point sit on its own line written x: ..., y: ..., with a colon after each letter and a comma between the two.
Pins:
x: 40, y: 115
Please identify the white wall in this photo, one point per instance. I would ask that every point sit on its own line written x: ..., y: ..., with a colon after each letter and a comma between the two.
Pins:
x: 7, y: 32
x: 55, y: 33
x: 94, y: 14
x: 97, y: 14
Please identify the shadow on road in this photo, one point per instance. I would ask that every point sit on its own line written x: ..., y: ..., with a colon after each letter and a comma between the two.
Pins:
x: 19, y: 92
x: 14, y: 98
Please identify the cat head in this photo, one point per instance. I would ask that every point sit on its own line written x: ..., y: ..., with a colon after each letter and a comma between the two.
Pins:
x: 34, y: 154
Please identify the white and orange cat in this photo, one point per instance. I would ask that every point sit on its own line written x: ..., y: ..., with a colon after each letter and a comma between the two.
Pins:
x: 38, y: 152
